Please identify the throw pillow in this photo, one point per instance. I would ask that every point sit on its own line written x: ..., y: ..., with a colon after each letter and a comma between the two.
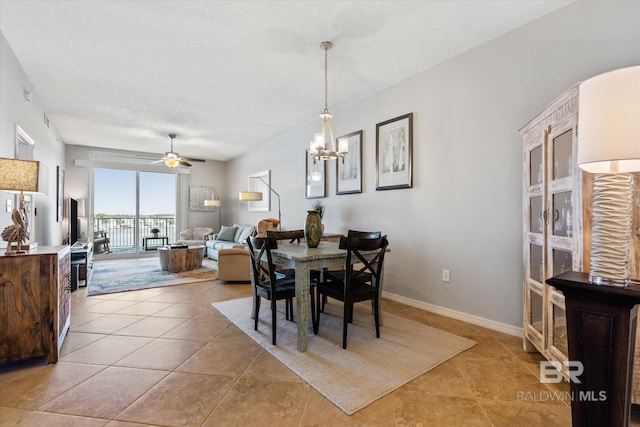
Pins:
x: 246, y: 232
x: 227, y: 233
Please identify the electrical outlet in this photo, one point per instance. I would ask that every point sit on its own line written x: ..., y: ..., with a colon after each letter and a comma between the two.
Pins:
x: 446, y: 276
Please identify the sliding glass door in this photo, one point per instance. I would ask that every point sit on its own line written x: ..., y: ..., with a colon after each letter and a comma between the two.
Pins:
x: 136, y: 209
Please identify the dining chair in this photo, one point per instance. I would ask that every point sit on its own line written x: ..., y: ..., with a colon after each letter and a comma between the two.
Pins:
x: 359, y: 284
x: 294, y: 236
x: 267, y: 283
x: 338, y: 275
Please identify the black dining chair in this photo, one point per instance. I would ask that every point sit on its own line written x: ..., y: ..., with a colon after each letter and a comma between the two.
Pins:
x: 338, y: 275
x: 359, y: 283
x: 294, y: 236
x: 267, y: 283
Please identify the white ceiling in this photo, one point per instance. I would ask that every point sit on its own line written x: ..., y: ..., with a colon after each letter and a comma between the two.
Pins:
x: 225, y: 75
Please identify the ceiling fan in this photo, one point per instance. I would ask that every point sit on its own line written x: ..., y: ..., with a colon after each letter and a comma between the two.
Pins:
x: 172, y: 159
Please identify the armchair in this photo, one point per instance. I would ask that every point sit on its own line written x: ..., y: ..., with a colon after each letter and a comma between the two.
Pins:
x: 234, y: 264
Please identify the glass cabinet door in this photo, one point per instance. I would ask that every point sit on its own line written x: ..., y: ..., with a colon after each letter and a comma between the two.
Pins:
x: 536, y: 263
x: 562, y: 214
x: 536, y: 224
x: 536, y: 166
x: 559, y: 329
x: 563, y: 155
x: 536, y: 311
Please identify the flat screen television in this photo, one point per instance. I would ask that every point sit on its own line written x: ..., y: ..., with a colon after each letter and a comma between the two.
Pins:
x: 73, y: 221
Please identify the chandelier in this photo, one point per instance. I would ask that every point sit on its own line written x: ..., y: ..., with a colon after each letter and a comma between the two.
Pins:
x: 318, y: 147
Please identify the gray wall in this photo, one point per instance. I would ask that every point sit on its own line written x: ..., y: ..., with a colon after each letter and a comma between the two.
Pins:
x: 48, y: 149
x: 464, y: 212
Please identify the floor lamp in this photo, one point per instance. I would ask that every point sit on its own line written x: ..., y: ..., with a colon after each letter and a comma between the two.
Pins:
x: 216, y: 203
x: 21, y: 177
x: 255, y: 196
x: 609, y: 147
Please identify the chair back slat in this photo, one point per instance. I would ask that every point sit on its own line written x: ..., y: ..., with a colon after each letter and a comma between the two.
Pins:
x: 355, y: 248
x: 258, y: 248
x: 291, y: 235
x: 364, y: 234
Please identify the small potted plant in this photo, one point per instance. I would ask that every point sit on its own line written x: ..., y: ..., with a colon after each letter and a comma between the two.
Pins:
x: 155, y: 232
x: 318, y: 206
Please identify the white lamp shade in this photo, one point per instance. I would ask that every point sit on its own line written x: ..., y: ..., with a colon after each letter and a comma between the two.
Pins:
x: 250, y: 196
x: 343, y: 145
x: 609, y: 122
x: 81, y: 208
x: 212, y: 202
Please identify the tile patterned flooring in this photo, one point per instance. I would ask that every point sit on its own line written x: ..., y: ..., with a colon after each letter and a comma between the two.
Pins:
x: 165, y: 357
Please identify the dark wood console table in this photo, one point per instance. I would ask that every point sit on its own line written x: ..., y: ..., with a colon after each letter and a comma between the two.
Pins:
x: 601, y: 329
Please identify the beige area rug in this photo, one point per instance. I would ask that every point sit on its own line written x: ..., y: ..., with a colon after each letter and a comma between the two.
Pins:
x: 369, y: 368
x: 132, y: 274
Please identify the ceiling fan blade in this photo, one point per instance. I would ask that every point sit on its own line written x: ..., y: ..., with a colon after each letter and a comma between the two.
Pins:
x: 194, y: 160
x: 183, y: 162
x: 158, y: 161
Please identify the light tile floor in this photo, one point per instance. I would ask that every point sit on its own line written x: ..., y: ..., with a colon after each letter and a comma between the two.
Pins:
x: 165, y: 357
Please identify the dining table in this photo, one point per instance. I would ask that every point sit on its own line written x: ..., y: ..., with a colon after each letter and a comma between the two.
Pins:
x: 303, y: 259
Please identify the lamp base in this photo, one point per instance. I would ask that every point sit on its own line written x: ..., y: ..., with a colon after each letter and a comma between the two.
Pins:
x: 608, y: 281
x: 611, y: 229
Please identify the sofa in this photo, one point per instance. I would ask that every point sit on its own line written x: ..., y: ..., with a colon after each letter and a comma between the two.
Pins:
x: 234, y: 264
x: 227, y: 238
x: 195, y: 236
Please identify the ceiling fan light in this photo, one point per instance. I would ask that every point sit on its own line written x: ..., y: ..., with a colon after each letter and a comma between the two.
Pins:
x: 171, y: 163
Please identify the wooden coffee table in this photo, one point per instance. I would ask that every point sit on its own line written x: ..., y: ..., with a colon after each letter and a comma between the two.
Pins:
x: 183, y: 259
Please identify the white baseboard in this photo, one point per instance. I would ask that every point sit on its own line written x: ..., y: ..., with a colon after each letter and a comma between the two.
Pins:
x: 465, y: 317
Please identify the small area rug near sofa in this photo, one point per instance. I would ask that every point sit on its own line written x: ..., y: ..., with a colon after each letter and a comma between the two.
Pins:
x: 122, y: 275
x: 369, y: 368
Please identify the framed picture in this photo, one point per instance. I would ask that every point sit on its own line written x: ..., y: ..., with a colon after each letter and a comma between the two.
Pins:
x: 60, y: 194
x: 349, y: 171
x: 197, y: 196
x: 260, y: 182
x: 315, y: 177
x: 394, y: 148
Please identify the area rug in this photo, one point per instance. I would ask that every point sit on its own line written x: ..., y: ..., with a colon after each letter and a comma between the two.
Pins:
x: 141, y: 273
x: 369, y: 368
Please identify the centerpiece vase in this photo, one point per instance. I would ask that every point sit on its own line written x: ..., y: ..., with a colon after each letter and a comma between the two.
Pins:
x: 313, y: 229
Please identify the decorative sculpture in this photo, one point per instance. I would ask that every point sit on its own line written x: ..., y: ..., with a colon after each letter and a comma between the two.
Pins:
x: 18, y: 232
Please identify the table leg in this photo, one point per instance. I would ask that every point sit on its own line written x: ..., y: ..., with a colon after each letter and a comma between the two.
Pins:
x: 302, y: 303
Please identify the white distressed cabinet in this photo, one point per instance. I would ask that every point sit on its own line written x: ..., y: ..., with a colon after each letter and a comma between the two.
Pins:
x: 557, y: 201
x: 552, y: 219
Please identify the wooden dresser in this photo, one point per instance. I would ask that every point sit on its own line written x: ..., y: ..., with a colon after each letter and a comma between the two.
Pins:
x: 34, y: 303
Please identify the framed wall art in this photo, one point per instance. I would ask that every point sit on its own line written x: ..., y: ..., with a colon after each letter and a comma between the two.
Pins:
x: 394, y: 148
x: 349, y: 171
x: 59, y: 194
x: 315, y: 178
x: 197, y: 196
x: 257, y: 183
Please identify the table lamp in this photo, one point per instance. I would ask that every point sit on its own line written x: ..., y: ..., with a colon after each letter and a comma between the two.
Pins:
x: 609, y: 147
x: 18, y: 177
